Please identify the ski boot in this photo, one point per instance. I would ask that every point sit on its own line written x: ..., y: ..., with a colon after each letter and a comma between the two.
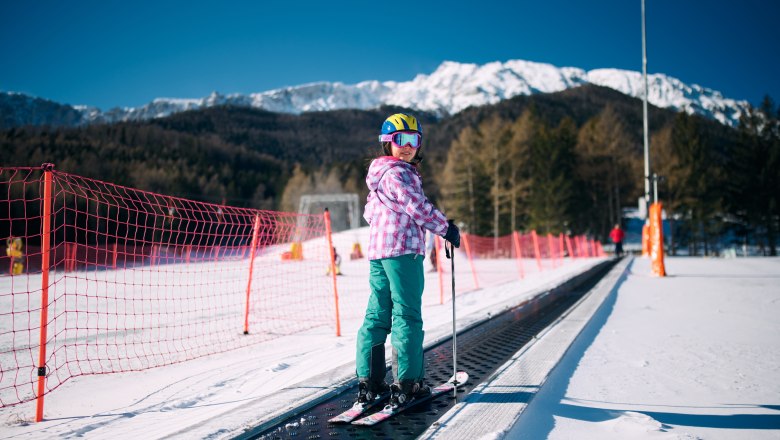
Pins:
x: 369, y: 390
x: 404, y: 392
x: 374, y: 386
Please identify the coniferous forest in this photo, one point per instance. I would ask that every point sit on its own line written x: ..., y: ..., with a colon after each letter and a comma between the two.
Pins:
x: 561, y: 162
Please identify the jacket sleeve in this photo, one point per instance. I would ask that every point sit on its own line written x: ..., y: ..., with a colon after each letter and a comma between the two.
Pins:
x: 406, y: 188
x: 368, y: 212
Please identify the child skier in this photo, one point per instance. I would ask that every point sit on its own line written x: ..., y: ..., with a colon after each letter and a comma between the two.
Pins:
x: 336, y: 260
x: 398, y: 214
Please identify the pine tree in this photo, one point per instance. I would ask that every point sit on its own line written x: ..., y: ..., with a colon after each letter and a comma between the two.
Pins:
x: 606, y: 170
x: 464, y: 183
x: 524, y: 130
x: 551, y: 166
x: 700, y: 177
x: 495, y: 135
x: 755, y: 173
x: 299, y: 184
x: 667, y: 163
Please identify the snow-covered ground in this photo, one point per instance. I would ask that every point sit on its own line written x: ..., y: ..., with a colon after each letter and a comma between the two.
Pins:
x: 219, y: 395
x: 692, y: 355
x: 695, y: 355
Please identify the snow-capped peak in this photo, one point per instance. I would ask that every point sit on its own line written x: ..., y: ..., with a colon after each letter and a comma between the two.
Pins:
x: 449, y: 89
x: 667, y: 92
x: 455, y: 86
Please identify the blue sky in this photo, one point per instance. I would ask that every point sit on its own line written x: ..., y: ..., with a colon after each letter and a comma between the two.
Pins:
x: 126, y: 53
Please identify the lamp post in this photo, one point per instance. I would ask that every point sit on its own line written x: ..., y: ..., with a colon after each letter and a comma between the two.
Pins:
x: 656, y: 179
x: 644, y: 112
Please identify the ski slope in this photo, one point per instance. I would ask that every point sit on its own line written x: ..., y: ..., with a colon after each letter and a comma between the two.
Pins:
x: 219, y: 395
x: 693, y: 355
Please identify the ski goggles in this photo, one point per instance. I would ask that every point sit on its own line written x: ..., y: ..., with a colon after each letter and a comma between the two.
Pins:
x: 403, y: 139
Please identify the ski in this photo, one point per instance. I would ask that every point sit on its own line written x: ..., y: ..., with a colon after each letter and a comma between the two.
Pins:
x: 388, y: 411
x: 358, y: 409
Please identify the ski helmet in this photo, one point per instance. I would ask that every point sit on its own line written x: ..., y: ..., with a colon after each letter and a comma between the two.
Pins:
x: 401, y: 122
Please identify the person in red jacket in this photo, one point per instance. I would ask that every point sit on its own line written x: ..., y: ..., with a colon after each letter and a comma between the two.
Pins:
x: 617, y: 235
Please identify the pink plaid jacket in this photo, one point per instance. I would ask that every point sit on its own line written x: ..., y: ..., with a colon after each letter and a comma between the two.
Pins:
x: 398, y: 211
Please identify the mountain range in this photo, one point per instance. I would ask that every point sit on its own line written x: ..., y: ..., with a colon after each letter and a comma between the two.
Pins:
x: 451, y: 88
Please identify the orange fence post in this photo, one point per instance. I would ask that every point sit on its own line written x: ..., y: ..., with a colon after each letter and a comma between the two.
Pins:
x: 471, y: 260
x: 45, y: 253
x: 333, y: 270
x: 536, y: 250
x: 560, y: 247
x: 437, y: 242
x: 646, y: 240
x: 519, y: 252
x: 550, y: 250
x: 656, y: 241
x: 569, y: 248
x: 255, y: 233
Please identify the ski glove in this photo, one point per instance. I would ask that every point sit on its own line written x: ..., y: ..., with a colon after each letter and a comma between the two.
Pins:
x: 453, y: 234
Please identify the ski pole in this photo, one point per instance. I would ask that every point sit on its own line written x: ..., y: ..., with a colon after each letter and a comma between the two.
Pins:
x: 451, y: 255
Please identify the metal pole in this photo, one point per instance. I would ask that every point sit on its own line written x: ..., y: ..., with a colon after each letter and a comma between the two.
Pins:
x: 45, y: 255
x: 655, y: 187
x: 454, y: 330
x: 644, y: 108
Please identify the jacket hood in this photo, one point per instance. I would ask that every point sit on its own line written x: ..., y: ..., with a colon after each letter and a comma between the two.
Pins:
x: 380, y: 166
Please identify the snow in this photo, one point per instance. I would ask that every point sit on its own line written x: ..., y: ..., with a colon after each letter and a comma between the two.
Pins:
x: 217, y: 396
x: 694, y: 355
x: 667, y: 92
x: 453, y: 87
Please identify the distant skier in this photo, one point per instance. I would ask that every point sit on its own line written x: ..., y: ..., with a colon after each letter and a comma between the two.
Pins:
x: 617, y: 235
x: 430, y: 248
x: 15, y: 250
x: 398, y: 214
x: 336, y: 261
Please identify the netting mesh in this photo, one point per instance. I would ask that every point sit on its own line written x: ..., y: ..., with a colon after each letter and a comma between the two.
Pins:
x: 137, y: 280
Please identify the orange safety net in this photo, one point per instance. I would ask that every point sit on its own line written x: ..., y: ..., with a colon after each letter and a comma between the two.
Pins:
x: 138, y: 280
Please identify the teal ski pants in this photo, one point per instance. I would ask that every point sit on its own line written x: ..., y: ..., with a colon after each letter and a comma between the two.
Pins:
x: 395, y: 306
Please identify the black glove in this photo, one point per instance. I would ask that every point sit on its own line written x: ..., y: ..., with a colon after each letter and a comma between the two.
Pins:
x: 453, y: 234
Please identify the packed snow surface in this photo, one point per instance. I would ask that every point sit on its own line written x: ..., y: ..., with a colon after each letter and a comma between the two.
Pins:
x: 694, y: 355
x: 218, y: 396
